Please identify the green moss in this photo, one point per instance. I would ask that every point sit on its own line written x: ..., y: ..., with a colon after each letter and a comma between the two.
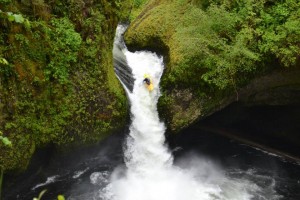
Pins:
x: 17, y: 156
x: 213, y: 48
x: 58, y: 85
x: 137, y: 8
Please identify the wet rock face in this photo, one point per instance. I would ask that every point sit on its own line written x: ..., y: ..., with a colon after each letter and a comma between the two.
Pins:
x: 184, y: 109
x: 280, y: 87
x: 167, y: 28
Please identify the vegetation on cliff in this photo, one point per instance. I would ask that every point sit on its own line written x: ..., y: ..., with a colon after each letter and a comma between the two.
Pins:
x: 213, y: 48
x: 230, y: 40
x: 57, y: 84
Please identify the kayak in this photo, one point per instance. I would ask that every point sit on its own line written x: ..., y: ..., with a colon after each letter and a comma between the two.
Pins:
x: 150, y: 87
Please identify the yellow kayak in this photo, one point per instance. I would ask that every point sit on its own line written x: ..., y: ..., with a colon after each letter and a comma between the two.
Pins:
x: 148, y: 83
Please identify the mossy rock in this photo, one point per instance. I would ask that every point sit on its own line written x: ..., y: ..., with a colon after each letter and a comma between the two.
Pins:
x: 58, y: 85
x: 155, y: 30
x: 212, y: 51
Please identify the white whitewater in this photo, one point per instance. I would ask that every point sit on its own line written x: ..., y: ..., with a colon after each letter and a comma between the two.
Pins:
x: 145, y: 151
x: 149, y: 173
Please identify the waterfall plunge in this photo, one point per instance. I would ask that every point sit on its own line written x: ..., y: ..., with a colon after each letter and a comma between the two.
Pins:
x: 149, y: 173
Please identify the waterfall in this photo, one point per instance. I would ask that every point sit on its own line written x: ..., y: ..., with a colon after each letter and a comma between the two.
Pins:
x: 123, y: 71
x: 149, y: 172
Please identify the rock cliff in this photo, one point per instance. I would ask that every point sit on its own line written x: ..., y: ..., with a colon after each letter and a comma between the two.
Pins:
x: 57, y: 83
x: 219, y: 53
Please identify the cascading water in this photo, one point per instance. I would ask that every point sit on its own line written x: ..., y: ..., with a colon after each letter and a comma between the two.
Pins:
x: 150, y: 173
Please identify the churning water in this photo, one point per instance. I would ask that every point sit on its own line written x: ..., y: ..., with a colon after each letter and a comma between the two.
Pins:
x: 150, y: 173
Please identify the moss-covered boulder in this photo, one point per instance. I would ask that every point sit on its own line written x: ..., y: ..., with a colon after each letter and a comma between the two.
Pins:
x: 57, y: 83
x: 214, y: 49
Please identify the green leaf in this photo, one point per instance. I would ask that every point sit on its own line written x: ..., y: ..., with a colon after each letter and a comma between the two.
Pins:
x: 18, y: 18
x: 27, y: 24
x: 3, y: 61
x: 60, y: 197
x: 11, y: 18
x: 6, y: 141
x: 41, y: 194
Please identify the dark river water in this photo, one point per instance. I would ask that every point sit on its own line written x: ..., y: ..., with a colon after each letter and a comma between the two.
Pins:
x: 71, y: 174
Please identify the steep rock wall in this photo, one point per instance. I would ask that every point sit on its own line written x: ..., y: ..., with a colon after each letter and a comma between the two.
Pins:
x: 57, y: 83
x: 218, y: 53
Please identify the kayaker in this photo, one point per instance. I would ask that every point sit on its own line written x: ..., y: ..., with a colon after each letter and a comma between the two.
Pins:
x: 147, y: 81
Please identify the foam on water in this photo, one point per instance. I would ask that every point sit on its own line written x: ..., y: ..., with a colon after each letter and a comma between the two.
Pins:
x: 49, y: 180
